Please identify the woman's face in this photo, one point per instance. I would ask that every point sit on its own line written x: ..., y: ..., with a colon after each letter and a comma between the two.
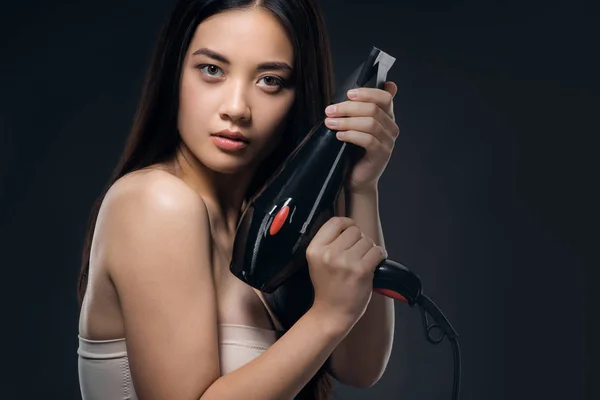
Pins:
x: 236, y: 77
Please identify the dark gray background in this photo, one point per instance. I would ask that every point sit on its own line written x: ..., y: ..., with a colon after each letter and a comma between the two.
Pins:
x: 488, y: 196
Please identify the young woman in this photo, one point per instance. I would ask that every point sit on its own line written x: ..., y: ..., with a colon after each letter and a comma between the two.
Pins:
x: 161, y: 315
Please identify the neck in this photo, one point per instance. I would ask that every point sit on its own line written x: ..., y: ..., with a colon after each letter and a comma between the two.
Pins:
x: 223, y: 194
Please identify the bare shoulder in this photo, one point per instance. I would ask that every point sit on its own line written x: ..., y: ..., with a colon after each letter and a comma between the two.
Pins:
x: 143, y: 207
x: 153, y: 190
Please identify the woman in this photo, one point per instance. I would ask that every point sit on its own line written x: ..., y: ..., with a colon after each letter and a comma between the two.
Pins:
x: 155, y: 267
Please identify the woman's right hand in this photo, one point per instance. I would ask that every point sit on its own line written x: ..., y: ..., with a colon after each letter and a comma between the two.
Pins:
x: 341, y: 263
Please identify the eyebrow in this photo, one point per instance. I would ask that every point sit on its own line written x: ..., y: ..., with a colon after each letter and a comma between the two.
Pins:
x: 271, y: 65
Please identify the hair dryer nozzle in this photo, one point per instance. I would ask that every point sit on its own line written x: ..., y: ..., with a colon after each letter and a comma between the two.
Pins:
x: 371, y: 73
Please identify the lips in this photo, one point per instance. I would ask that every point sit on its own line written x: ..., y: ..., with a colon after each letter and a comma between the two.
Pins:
x: 237, y: 136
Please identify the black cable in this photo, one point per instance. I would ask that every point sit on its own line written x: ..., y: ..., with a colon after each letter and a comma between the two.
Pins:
x: 442, y: 323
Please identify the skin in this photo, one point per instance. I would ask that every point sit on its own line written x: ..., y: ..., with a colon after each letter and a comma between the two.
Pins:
x: 202, y: 190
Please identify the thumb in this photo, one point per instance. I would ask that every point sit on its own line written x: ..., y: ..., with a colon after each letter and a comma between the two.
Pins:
x: 391, y: 88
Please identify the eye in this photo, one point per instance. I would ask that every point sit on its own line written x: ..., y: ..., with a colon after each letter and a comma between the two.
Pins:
x: 210, y: 69
x: 272, y: 81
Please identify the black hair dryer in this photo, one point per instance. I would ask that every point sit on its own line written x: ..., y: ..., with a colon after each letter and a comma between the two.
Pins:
x: 281, y: 220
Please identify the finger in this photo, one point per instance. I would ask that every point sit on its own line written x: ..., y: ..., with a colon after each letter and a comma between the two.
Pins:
x: 383, y: 98
x: 356, y: 109
x: 362, y: 124
x: 392, y: 88
x: 361, y: 248
x: 331, y: 230
x: 361, y: 139
x: 362, y: 109
x: 374, y: 257
x: 353, y: 109
x: 346, y: 239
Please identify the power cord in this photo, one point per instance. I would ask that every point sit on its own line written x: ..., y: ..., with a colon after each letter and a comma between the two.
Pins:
x: 426, y: 305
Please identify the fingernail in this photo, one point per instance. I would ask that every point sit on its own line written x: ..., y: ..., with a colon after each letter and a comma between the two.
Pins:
x: 331, y: 122
x: 352, y: 94
x: 330, y: 110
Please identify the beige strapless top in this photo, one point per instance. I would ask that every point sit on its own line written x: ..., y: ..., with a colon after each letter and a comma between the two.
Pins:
x: 104, y: 368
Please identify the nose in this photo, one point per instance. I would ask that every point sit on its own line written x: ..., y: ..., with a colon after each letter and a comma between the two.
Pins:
x: 235, y: 105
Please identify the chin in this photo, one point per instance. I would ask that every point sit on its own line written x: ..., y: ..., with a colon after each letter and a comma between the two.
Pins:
x: 227, y: 164
x: 224, y: 162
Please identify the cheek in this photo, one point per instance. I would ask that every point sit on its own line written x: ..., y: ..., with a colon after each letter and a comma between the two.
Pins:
x: 193, y: 107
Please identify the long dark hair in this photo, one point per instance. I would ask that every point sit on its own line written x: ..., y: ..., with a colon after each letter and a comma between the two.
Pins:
x: 154, y: 136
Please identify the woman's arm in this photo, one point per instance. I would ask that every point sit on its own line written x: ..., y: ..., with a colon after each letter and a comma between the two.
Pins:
x: 287, y: 366
x: 153, y: 233
x: 361, y: 358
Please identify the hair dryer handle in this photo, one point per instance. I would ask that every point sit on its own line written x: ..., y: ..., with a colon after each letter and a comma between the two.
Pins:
x: 394, y: 280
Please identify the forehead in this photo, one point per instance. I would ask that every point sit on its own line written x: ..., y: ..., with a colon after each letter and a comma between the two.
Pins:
x: 253, y: 35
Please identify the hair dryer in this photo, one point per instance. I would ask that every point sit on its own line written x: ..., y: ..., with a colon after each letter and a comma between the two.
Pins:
x: 281, y: 220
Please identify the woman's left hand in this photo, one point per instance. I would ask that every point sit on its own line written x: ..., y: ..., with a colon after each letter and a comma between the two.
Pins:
x: 366, y: 120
